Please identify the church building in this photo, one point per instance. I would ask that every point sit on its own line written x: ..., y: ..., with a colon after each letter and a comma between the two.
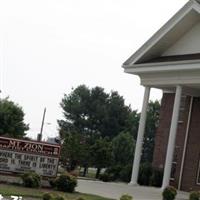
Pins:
x: 170, y: 61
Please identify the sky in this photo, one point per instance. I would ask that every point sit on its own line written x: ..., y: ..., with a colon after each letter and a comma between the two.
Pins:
x: 49, y: 46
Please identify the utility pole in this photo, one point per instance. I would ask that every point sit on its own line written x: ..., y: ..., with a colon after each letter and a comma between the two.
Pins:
x: 41, y: 130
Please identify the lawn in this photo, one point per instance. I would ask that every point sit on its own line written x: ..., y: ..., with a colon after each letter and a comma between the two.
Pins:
x: 7, y: 190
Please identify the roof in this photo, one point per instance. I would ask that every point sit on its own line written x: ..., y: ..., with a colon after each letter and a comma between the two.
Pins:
x: 175, y: 28
x: 174, y: 58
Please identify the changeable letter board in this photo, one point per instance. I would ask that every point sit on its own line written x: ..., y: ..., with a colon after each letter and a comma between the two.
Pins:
x: 20, y: 156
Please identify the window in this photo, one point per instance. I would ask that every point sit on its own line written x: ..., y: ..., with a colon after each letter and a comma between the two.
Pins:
x: 174, y: 164
x: 198, y: 173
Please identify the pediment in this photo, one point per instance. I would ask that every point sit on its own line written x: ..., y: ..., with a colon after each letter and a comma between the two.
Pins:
x: 177, y: 40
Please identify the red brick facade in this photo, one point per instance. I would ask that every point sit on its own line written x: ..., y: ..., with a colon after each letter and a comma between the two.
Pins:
x: 191, y: 161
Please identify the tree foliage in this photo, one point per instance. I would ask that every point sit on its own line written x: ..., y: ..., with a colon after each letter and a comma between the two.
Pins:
x: 150, y: 131
x: 123, y: 146
x: 101, y: 154
x: 90, y: 116
x: 93, y: 111
x: 12, y: 119
x: 94, y: 120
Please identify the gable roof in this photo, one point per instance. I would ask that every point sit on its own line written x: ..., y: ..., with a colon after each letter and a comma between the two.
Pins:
x: 176, y: 27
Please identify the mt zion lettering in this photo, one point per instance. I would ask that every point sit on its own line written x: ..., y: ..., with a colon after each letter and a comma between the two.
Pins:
x: 29, y: 147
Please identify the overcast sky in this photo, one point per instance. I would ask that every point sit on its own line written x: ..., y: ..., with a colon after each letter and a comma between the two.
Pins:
x: 49, y: 46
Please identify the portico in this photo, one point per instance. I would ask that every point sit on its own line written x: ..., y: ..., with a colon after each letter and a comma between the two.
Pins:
x: 169, y: 61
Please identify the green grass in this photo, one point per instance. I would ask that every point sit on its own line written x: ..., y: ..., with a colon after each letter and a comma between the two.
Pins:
x: 7, y: 190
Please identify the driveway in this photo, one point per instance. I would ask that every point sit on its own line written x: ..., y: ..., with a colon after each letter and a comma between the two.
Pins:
x: 115, y: 190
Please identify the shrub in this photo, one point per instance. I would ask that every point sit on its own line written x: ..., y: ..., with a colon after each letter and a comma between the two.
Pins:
x: 47, y: 196
x: 65, y: 182
x: 114, y: 171
x: 125, y: 173
x: 126, y: 197
x: 169, y: 193
x: 105, y: 177
x: 52, y: 182
x: 50, y: 196
x: 58, y: 197
x: 145, y: 173
x: 195, y: 195
x: 31, y: 179
x: 74, y: 173
x: 156, y: 178
x: 80, y: 198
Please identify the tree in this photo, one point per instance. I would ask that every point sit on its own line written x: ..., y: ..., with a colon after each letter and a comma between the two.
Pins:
x: 123, y: 146
x: 150, y: 131
x: 93, y: 111
x: 133, y: 123
x: 94, y: 115
x: 101, y: 154
x: 71, y: 150
x: 12, y: 119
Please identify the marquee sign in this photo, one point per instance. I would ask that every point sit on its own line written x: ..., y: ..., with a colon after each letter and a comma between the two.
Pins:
x: 23, y: 155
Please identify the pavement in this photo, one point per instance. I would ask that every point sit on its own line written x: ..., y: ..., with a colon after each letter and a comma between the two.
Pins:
x: 115, y: 190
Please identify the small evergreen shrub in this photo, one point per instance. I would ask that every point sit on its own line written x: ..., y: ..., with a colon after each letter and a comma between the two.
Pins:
x: 65, y: 182
x: 47, y: 196
x: 114, y: 171
x: 125, y: 173
x: 52, y: 182
x: 58, y: 197
x: 169, y: 193
x: 31, y: 179
x: 156, y: 178
x: 194, y: 195
x: 50, y: 196
x: 80, y: 198
x: 145, y: 174
x: 126, y: 197
x: 105, y: 177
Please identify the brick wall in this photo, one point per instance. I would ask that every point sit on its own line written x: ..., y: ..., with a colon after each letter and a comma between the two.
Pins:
x: 162, y: 132
x: 193, y: 150
x: 162, y: 135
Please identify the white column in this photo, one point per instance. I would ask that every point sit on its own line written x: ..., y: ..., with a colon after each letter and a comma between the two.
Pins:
x: 141, y: 129
x: 172, y: 138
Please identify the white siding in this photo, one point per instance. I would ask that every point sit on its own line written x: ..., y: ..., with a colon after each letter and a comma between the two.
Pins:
x: 188, y: 44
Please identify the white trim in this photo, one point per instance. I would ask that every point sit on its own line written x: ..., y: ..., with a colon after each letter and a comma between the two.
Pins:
x: 140, y: 136
x: 163, y: 67
x: 185, y: 144
x: 171, y: 178
x: 166, y: 63
x: 198, y: 173
x: 172, y: 137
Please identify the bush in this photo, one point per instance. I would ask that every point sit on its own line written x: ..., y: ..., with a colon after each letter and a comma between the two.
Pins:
x: 194, y: 195
x: 169, y: 193
x: 156, y: 178
x: 50, y: 196
x: 111, y: 174
x: 52, y: 182
x: 114, y: 171
x: 105, y: 177
x: 65, y: 182
x: 125, y: 173
x: 145, y: 173
x: 31, y: 179
x: 80, y: 198
x: 47, y: 196
x: 58, y: 197
x: 126, y: 197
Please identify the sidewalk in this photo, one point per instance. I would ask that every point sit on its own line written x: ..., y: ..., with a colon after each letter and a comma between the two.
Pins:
x: 115, y: 190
